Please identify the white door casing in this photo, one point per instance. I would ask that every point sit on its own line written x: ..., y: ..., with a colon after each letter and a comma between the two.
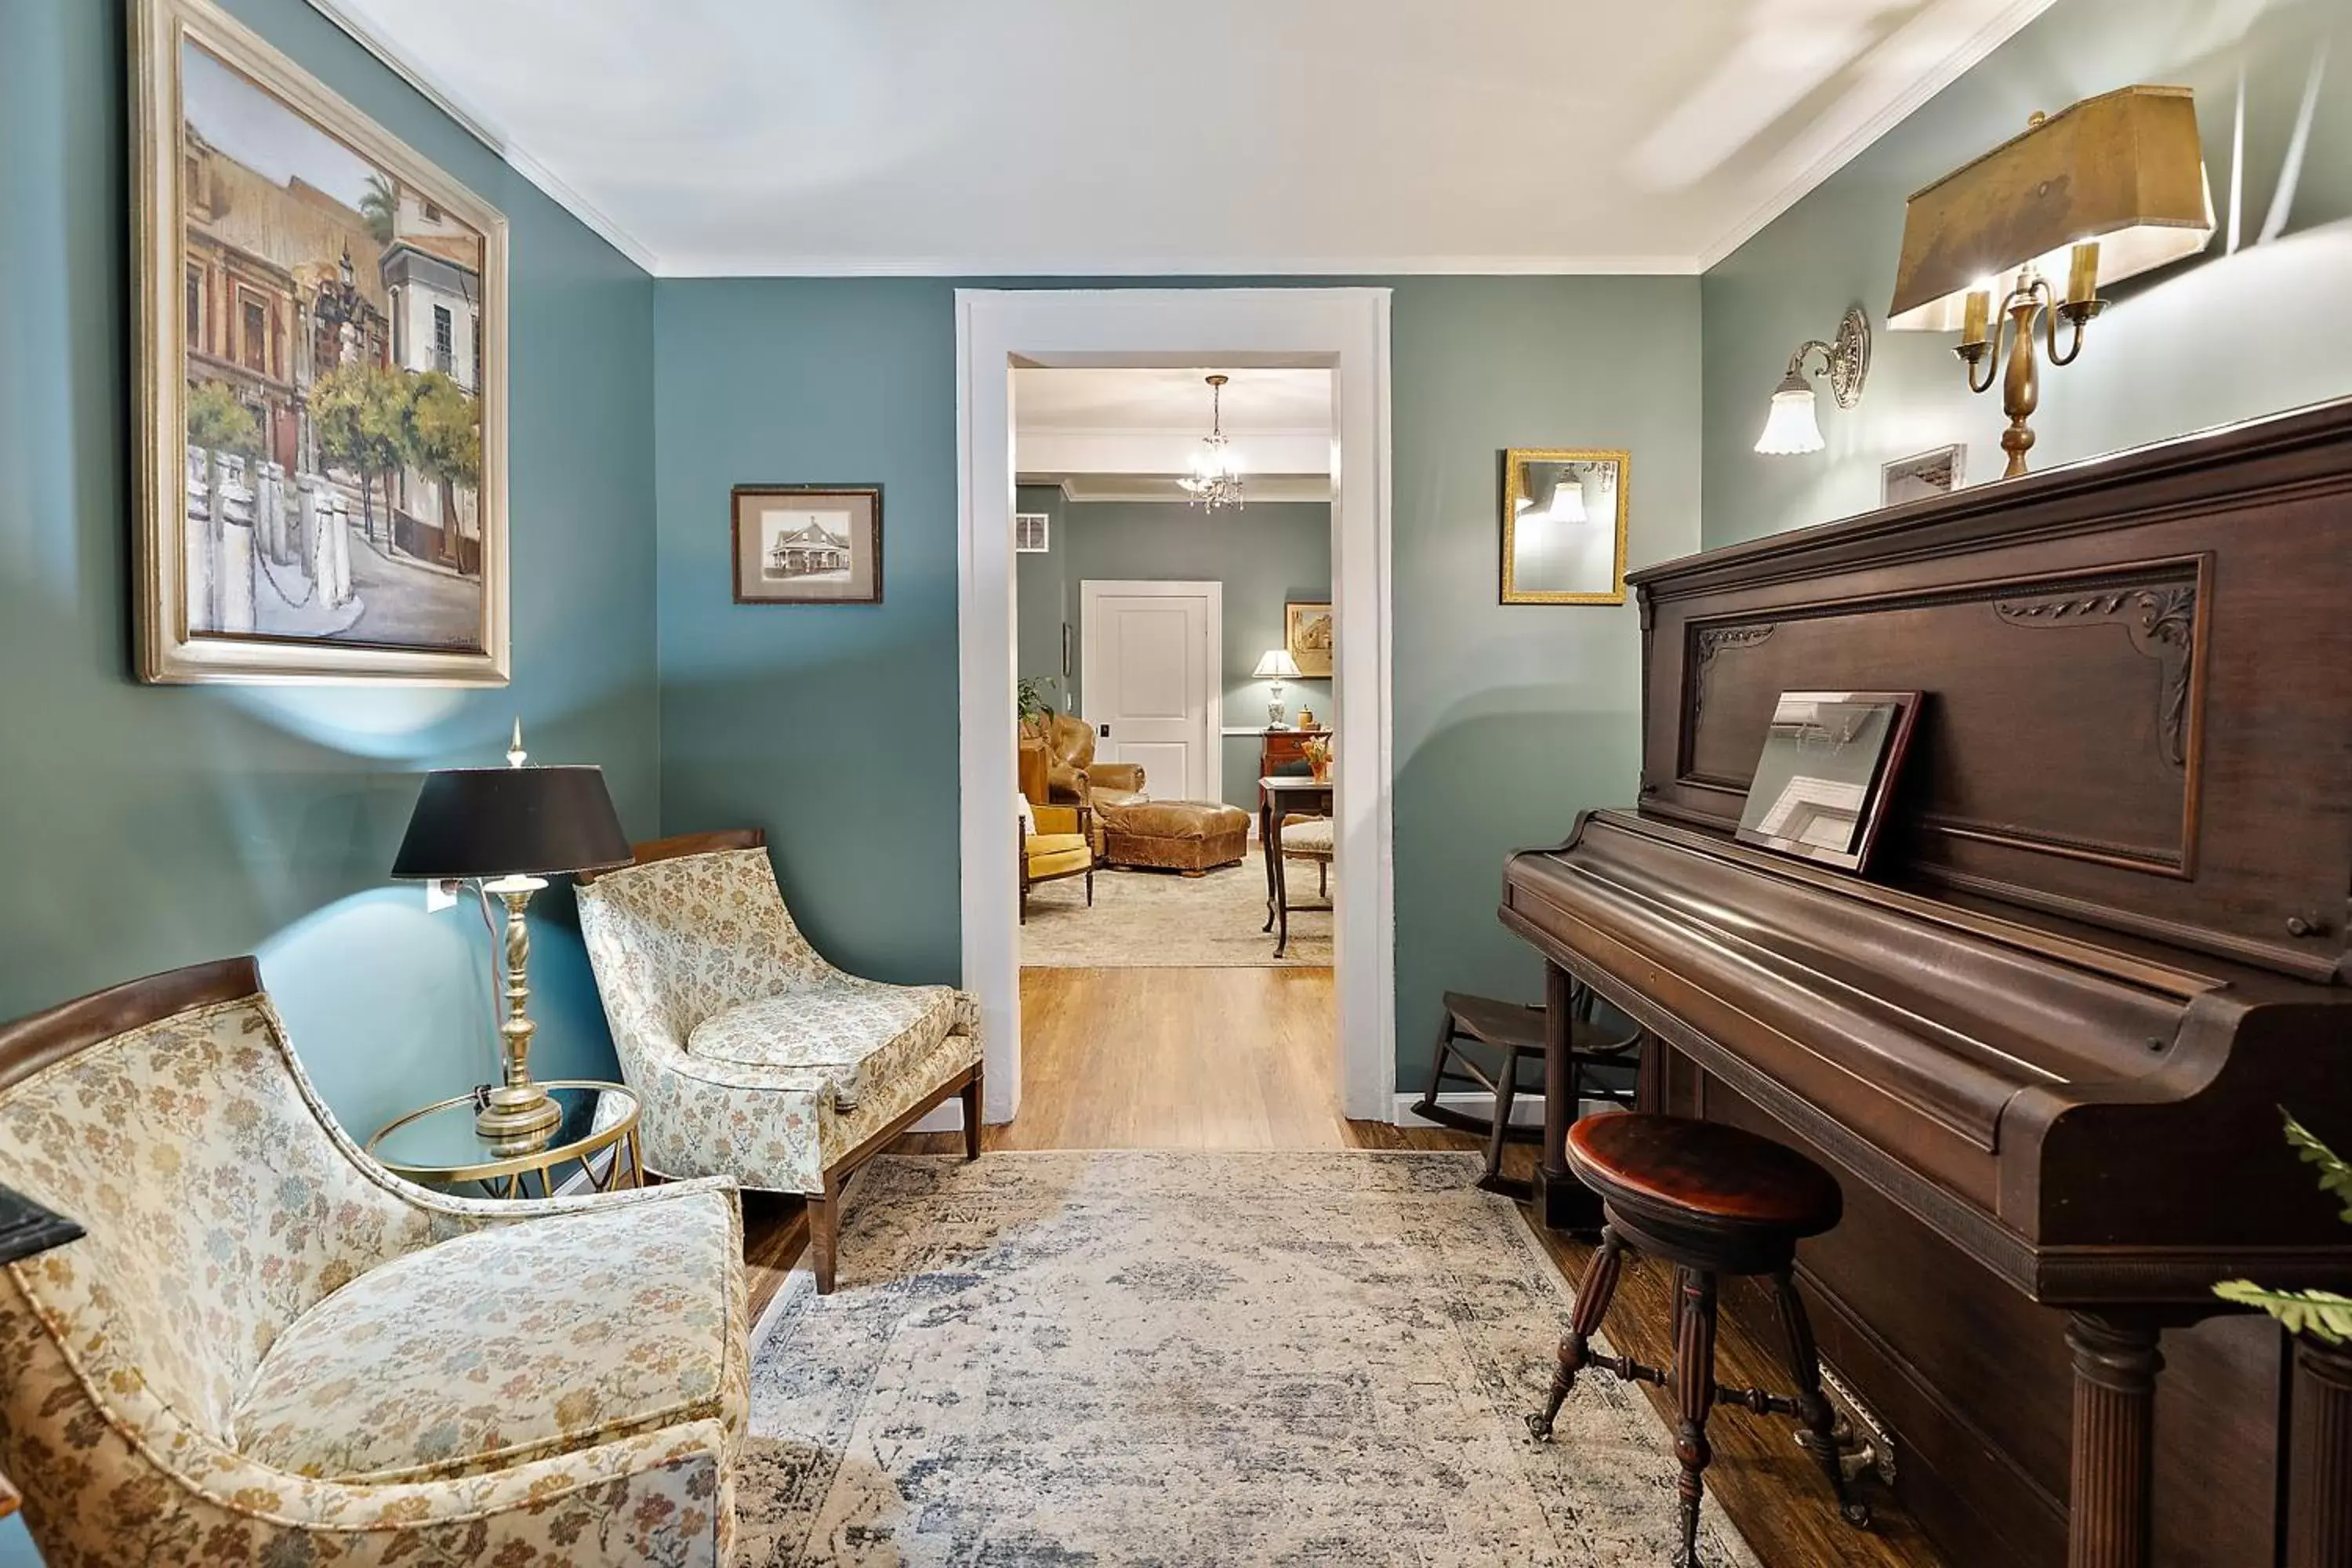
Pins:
x: 1153, y: 658
x: 1343, y: 330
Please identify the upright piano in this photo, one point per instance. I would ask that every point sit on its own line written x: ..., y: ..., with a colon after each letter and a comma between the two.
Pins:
x: 2045, y: 1045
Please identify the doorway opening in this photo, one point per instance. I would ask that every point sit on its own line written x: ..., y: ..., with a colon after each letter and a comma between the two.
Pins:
x: 1183, y: 706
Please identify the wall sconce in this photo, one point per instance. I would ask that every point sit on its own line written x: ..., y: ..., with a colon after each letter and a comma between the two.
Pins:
x: 1791, y: 427
x: 2103, y: 190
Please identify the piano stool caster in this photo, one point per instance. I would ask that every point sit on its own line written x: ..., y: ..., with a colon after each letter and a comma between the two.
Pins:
x: 1712, y: 1200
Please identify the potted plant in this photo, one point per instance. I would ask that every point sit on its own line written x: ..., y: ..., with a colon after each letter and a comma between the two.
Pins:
x: 1031, y: 706
x: 2322, y: 1314
x: 1317, y: 752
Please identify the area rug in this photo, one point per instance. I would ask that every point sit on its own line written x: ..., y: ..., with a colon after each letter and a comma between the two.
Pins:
x: 1160, y: 919
x: 1166, y: 1358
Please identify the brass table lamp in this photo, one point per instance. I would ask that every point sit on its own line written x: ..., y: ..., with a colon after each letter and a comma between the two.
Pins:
x: 507, y: 829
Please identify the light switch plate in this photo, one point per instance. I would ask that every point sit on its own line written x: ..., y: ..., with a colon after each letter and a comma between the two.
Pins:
x: 440, y: 895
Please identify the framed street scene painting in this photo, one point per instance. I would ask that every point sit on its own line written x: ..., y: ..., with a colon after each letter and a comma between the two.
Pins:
x: 320, y: 325
x: 1307, y: 633
x: 808, y: 544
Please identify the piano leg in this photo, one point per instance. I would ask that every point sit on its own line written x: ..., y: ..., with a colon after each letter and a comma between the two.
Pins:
x: 2319, y: 1457
x: 1561, y: 1202
x: 2115, y: 1364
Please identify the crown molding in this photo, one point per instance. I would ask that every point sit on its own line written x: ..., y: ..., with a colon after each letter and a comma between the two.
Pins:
x: 481, y: 129
x: 2005, y: 24
x: 2012, y: 20
x: 690, y: 264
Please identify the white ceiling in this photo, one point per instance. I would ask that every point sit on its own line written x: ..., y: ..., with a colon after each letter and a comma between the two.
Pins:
x: 1071, y: 137
x: 1125, y: 434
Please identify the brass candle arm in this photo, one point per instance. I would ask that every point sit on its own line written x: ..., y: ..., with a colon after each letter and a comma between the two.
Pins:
x: 2031, y: 297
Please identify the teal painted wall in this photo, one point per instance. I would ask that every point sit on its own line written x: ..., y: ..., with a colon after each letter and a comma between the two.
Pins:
x: 1266, y: 555
x: 1043, y: 590
x: 148, y: 827
x: 2221, y: 338
x: 834, y: 728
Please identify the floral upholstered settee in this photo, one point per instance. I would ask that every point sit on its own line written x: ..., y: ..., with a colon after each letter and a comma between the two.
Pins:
x: 265, y: 1349
x: 752, y: 1057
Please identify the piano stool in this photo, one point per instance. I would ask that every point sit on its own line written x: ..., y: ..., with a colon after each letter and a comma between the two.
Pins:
x: 1712, y: 1200
x: 1516, y: 1032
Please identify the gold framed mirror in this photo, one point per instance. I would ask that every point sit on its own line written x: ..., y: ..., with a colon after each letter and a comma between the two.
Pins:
x: 1563, y: 526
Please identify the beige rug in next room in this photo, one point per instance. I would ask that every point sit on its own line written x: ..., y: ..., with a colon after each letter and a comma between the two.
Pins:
x: 1191, y: 1360
x: 1161, y: 920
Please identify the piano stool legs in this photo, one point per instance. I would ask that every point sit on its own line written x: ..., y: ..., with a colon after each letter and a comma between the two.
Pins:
x: 1592, y: 1294
x: 1691, y: 1378
x: 1819, y: 1436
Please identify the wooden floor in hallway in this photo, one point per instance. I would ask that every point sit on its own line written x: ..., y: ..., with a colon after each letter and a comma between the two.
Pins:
x: 1177, y: 1058
x: 1244, y: 1058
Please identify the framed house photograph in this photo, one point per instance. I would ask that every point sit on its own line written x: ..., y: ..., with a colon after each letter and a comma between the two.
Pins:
x: 1917, y: 477
x: 1563, y: 527
x: 320, y: 354
x: 808, y: 544
x: 1307, y: 633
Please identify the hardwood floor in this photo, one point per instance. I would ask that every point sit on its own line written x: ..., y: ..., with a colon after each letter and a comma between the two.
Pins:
x: 1243, y: 1058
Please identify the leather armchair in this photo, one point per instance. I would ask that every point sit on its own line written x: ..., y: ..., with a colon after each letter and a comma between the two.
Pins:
x: 1075, y: 778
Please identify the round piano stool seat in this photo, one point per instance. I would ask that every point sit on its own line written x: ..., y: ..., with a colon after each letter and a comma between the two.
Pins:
x: 1712, y: 1200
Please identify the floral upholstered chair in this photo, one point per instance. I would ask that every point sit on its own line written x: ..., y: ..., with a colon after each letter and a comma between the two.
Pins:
x: 752, y: 1057
x: 268, y: 1350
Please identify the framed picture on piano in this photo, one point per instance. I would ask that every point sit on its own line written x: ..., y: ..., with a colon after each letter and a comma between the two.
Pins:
x: 1827, y: 775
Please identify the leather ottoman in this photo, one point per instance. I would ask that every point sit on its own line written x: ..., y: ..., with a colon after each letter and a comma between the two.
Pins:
x: 1187, y: 835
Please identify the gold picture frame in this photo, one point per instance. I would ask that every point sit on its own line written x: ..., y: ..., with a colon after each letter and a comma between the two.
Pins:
x: 1541, y: 564
x: 305, y: 285
x: 1310, y: 634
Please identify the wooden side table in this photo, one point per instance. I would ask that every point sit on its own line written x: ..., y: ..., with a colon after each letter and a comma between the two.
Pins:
x: 1282, y: 748
x: 1277, y: 796
x: 437, y: 1146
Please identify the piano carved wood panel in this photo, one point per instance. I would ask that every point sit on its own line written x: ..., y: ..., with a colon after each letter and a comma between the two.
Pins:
x: 2109, y: 732
x: 2044, y: 652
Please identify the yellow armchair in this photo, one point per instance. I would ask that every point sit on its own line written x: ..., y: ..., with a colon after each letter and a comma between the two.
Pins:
x: 1057, y: 841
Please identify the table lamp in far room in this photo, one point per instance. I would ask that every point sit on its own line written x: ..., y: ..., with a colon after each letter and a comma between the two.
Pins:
x: 1278, y: 665
x: 509, y: 829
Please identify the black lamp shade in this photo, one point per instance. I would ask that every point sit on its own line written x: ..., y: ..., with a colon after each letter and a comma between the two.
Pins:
x: 511, y: 822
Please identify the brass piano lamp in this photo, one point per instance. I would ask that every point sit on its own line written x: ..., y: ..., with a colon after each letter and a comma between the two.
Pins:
x: 2105, y: 190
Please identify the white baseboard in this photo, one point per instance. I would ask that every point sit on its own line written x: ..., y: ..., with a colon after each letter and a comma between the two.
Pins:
x: 947, y: 1116
x: 1527, y: 1110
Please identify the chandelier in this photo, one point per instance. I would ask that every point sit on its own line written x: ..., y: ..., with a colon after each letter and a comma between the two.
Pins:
x: 1216, y: 478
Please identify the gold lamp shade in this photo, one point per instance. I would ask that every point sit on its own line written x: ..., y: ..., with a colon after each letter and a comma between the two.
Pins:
x: 2125, y: 169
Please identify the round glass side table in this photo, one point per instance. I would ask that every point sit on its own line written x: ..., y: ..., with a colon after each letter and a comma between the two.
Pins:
x: 439, y: 1147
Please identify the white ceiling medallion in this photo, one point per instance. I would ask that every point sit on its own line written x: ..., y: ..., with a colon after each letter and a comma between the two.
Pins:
x: 1216, y: 477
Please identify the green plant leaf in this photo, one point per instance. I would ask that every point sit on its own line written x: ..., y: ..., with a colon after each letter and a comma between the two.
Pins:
x: 2323, y: 1315
x: 2335, y: 1175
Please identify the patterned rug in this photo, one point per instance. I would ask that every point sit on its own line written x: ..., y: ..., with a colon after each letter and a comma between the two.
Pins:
x: 1173, y: 1358
x: 1160, y: 919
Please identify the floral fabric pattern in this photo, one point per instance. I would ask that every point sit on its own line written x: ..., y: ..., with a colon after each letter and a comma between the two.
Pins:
x: 223, y: 1206
x: 598, y: 1326
x: 854, y: 1031
x: 678, y: 943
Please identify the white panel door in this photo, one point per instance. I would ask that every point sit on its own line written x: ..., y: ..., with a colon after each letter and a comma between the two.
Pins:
x: 1153, y: 672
